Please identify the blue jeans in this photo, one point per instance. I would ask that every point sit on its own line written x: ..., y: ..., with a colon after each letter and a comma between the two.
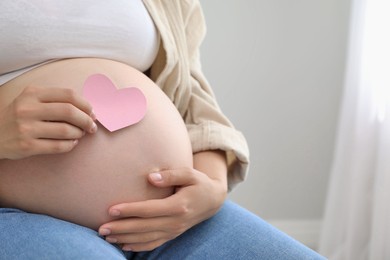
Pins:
x: 233, y: 233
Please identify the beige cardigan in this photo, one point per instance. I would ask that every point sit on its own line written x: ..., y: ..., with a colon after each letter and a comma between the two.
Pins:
x: 177, y: 70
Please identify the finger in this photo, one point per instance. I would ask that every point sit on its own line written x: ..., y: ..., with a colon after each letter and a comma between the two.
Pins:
x: 176, y: 177
x: 147, y: 209
x: 66, y: 112
x: 140, y: 247
x: 47, y: 146
x: 64, y: 95
x: 135, y: 225
x: 136, y: 237
x: 56, y: 130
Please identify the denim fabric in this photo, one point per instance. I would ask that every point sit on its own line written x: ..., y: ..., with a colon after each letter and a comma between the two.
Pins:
x: 233, y: 233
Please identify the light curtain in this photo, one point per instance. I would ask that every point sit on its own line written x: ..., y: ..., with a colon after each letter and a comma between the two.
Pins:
x: 357, y: 214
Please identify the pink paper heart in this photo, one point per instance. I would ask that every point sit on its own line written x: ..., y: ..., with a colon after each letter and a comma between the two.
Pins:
x: 114, y: 108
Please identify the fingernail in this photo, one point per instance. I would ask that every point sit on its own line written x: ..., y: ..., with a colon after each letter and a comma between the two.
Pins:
x: 156, y: 176
x: 93, y: 128
x: 93, y: 115
x: 111, y: 240
x: 114, y: 212
x: 126, y: 248
x: 75, y: 142
x: 104, y: 232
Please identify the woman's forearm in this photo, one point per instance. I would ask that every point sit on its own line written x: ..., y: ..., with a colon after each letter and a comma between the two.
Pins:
x: 213, y: 164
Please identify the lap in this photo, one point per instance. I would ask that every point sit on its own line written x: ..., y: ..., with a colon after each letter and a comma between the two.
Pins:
x: 233, y: 233
x: 33, y: 236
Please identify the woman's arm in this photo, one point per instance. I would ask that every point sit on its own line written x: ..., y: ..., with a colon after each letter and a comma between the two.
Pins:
x: 213, y: 164
x: 177, y: 70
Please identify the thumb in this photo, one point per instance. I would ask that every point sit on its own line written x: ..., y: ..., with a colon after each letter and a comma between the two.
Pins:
x: 176, y: 177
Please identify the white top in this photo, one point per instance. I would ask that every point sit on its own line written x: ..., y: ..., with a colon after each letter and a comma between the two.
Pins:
x: 34, y: 32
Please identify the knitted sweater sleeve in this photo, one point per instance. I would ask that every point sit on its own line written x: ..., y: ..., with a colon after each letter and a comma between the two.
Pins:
x: 178, y: 72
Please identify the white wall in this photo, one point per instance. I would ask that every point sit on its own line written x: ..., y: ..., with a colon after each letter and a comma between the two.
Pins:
x: 277, y: 69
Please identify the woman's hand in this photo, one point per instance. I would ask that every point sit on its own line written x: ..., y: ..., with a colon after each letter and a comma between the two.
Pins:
x: 143, y: 226
x: 44, y: 121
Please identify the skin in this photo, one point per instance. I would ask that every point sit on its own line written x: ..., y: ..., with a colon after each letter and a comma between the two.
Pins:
x: 116, y: 163
x: 43, y: 121
x: 200, y: 192
x: 30, y: 126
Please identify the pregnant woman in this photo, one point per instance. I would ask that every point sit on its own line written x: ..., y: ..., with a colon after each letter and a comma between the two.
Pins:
x: 71, y: 189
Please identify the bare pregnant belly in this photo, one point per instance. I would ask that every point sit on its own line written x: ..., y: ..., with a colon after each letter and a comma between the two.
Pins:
x: 104, y: 168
